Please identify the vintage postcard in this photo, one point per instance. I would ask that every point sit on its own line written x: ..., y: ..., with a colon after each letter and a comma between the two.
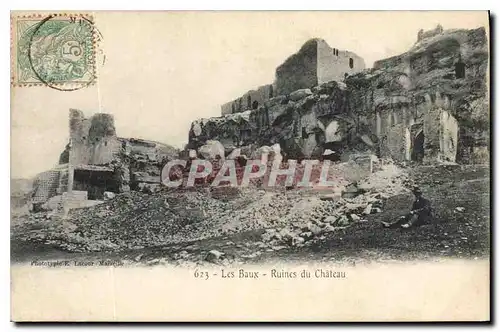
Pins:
x: 250, y: 166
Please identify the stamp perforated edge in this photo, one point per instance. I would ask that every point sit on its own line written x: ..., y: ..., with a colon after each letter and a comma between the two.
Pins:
x: 96, y: 39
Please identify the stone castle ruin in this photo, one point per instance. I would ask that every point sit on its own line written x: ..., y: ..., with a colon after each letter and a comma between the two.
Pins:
x: 315, y: 63
x: 97, y: 164
x: 429, y: 104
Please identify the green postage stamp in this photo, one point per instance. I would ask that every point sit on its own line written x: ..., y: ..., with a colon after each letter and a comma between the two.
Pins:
x: 55, y: 50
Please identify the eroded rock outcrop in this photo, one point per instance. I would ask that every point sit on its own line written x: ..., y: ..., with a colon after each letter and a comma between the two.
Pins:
x: 426, y: 105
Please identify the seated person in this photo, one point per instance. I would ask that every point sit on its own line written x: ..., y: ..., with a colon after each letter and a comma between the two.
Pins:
x: 420, y: 213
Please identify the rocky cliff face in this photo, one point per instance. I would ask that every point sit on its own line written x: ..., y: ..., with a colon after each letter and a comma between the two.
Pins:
x: 140, y: 162
x: 440, y: 82
x: 430, y: 103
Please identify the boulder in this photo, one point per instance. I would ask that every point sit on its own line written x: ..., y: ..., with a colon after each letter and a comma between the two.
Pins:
x: 352, y: 190
x: 342, y: 221
x: 328, y: 229
x: 300, y: 94
x: 330, y: 219
x: 109, y: 195
x: 286, y: 235
x: 306, y: 235
x: 278, y: 100
x: 214, y: 256
x: 297, y: 241
x: 314, y: 229
x: 211, y: 150
x: 355, y: 217
x: 268, y: 153
x: 354, y: 207
x: 326, y: 88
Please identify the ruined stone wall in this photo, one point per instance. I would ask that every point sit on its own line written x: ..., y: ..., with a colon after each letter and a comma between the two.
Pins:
x: 134, y: 162
x: 396, y: 144
x: 418, y: 95
x: 49, y: 184
x: 45, y: 185
x: 313, y: 64
x: 421, y: 85
x: 260, y: 95
x: 299, y: 71
x: 93, y: 140
x: 247, y: 101
x: 429, y: 33
x: 228, y: 108
x: 335, y: 64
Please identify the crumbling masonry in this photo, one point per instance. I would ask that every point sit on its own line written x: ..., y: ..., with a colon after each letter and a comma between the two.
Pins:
x: 429, y: 104
x: 97, y: 164
x: 315, y: 63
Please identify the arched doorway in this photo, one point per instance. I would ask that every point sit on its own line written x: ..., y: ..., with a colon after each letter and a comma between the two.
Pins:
x: 459, y: 69
x: 417, y: 151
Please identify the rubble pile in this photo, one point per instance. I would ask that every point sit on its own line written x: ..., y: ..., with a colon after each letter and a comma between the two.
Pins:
x: 389, y: 180
x: 149, y: 220
x: 47, y: 228
x: 136, y: 220
x: 314, y: 218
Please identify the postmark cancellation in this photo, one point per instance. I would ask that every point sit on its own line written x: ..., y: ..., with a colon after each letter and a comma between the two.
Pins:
x: 54, y: 50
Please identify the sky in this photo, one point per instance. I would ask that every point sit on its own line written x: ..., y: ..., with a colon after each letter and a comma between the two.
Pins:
x: 159, y: 71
